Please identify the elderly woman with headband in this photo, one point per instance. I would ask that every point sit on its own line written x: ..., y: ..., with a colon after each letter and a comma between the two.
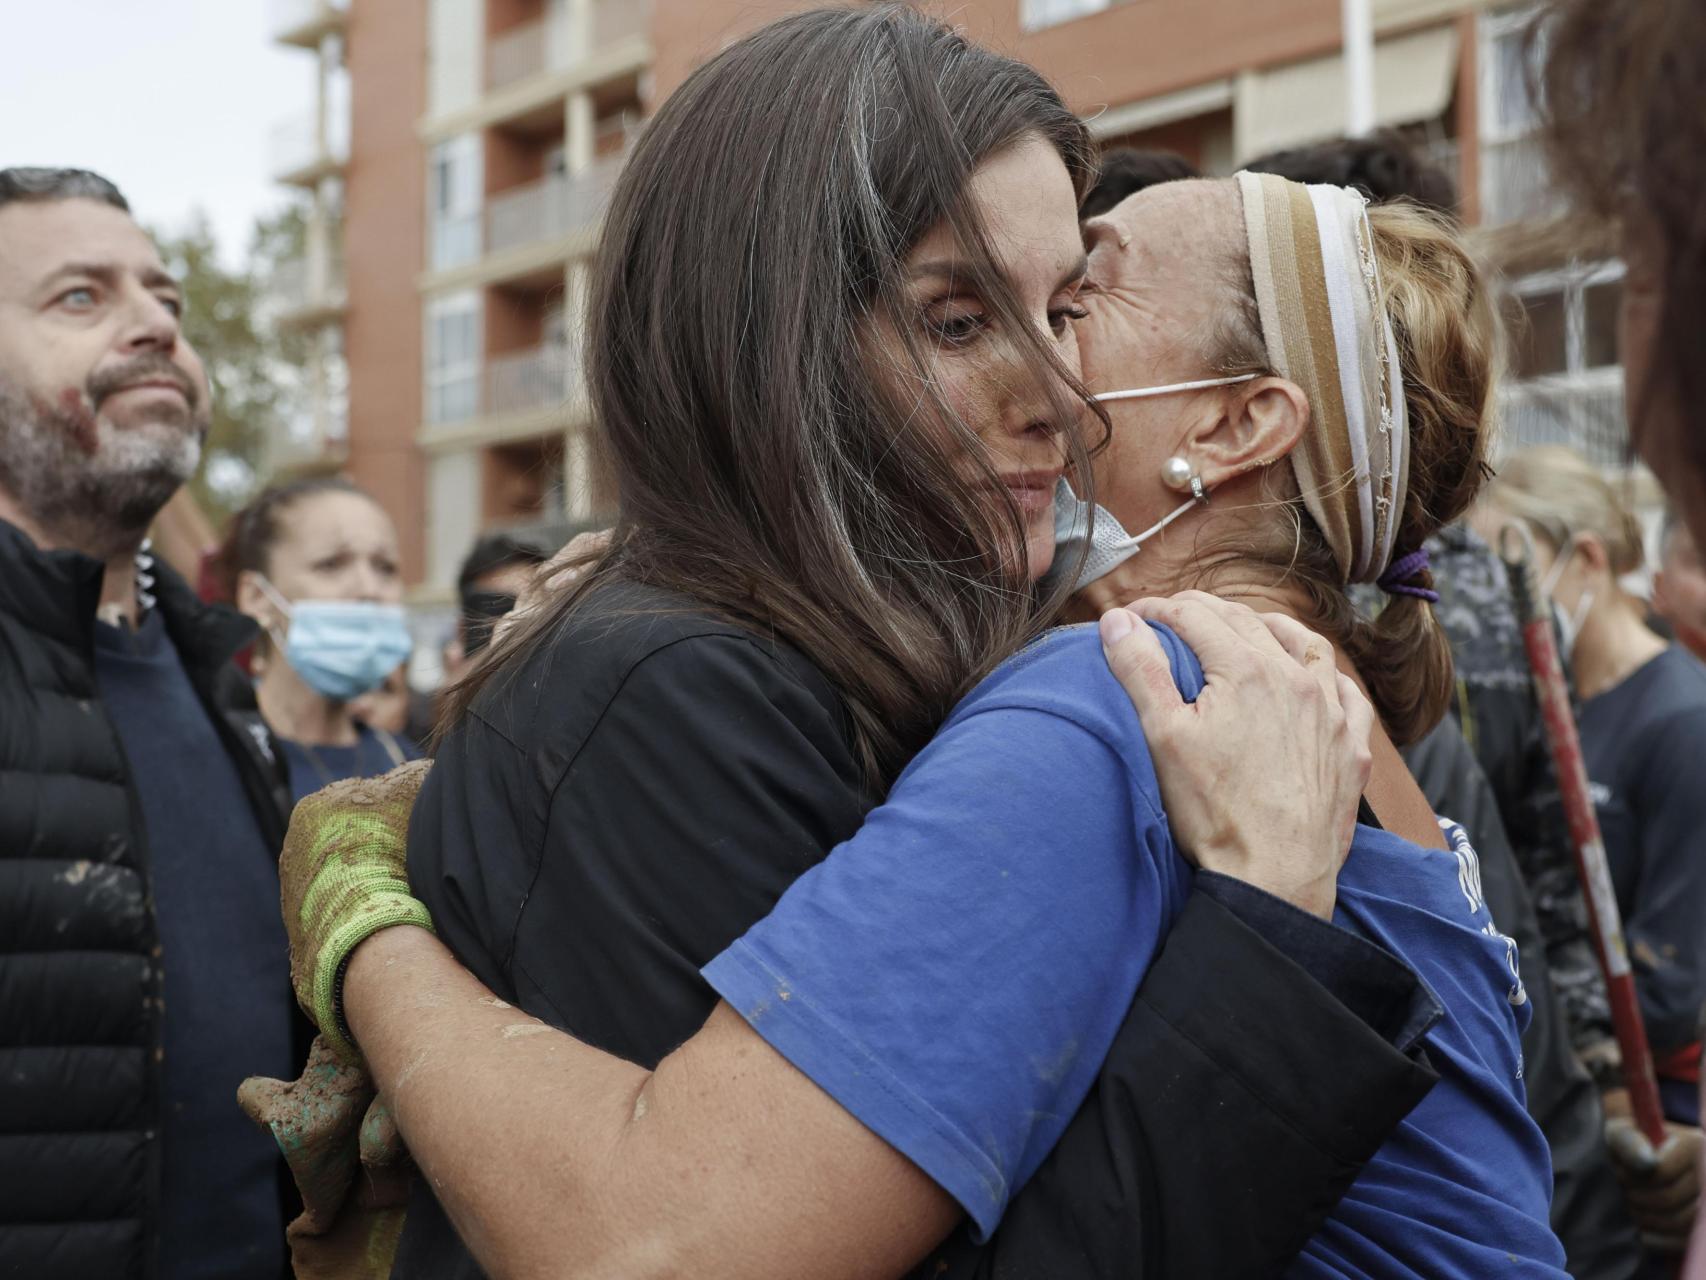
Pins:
x: 952, y: 976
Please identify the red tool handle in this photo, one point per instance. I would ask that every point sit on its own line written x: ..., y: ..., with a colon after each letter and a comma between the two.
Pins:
x: 1604, y: 919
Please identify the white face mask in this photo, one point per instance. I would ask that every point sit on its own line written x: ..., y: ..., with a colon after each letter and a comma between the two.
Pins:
x: 1569, y: 624
x: 1110, y: 545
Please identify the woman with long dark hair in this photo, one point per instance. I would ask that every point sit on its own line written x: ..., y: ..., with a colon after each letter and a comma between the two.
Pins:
x: 832, y: 353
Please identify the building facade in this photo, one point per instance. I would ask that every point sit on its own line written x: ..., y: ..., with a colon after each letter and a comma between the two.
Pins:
x: 486, y: 134
x: 309, y: 152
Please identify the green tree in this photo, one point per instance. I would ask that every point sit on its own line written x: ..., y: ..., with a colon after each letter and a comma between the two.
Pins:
x: 254, y: 367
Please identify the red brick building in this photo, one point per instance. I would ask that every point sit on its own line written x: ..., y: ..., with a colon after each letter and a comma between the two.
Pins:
x: 483, y: 136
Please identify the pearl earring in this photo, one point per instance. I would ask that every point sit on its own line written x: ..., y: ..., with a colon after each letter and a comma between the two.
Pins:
x: 1176, y: 474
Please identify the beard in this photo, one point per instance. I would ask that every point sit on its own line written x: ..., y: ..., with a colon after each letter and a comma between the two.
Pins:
x: 92, y: 483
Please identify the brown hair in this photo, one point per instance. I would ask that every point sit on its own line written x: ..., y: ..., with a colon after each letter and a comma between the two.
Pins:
x: 1561, y: 494
x: 771, y: 459
x: 1620, y: 97
x: 1447, y: 328
x: 256, y: 529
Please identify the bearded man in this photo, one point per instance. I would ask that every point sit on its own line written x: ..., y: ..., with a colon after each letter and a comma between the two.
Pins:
x: 142, y: 962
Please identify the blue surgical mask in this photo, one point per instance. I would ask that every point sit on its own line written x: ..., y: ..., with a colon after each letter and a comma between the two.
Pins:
x: 1077, y: 522
x: 342, y: 648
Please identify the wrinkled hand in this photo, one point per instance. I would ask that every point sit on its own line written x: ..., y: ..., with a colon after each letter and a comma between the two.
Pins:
x: 347, y: 1159
x: 343, y: 877
x: 572, y: 563
x: 1262, y: 774
x: 1663, y: 1186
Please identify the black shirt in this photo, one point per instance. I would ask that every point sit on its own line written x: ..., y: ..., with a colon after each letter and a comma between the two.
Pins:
x: 227, y: 1009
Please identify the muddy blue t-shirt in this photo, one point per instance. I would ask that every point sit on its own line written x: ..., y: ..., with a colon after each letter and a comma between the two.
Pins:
x: 954, y: 974
x: 311, y: 768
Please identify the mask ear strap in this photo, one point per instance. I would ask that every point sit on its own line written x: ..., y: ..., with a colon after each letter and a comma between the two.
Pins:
x: 277, y: 597
x: 1143, y: 393
x: 1199, y: 494
x: 271, y: 592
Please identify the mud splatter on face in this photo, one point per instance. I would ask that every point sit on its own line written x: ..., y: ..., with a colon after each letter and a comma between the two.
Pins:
x: 87, y: 483
x: 76, y: 414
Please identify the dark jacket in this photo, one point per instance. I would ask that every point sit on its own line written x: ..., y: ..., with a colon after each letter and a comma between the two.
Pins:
x: 1495, y: 707
x: 1588, y: 1211
x: 79, y: 984
x: 652, y: 780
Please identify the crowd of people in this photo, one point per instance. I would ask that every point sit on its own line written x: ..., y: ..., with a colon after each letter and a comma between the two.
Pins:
x: 1041, y: 777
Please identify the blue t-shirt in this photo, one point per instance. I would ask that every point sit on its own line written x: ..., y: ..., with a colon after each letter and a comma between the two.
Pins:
x: 225, y: 963
x: 955, y: 973
x: 374, y: 753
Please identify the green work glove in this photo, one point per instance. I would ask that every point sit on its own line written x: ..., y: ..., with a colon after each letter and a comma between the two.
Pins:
x: 343, y: 876
x: 348, y: 1160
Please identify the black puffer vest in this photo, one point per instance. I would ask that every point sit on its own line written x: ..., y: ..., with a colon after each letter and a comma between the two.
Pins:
x: 79, y: 982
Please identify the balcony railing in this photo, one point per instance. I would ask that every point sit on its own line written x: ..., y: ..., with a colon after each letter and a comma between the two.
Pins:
x: 616, y: 20
x: 550, y: 43
x: 455, y: 241
x: 520, y: 52
x: 291, y: 16
x: 1516, y: 183
x: 293, y: 289
x: 299, y: 150
x: 524, y: 381
x: 1584, y: 411
x: 555, y: 206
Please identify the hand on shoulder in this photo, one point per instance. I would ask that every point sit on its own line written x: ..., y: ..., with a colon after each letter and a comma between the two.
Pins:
x: 1262, y: 774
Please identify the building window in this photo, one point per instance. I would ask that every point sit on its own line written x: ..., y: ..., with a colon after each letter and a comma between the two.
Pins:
x: 1035, y: 14
x: 453, y: 342
x: 1566, y: 387
x: 1510, y: 109
x: 454, y: 178
x: 1538, y: 338
x: 1565, y: 321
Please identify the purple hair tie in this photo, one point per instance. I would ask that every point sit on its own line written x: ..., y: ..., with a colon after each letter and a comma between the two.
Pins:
x: 1396, y: 580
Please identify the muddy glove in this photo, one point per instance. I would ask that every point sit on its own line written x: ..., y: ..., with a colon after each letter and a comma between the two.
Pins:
x: 1663, y: 1186
x: 348, y: 1161
x: 342, y: 878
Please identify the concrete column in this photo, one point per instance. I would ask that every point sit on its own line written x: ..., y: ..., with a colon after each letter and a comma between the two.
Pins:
x: 1468, y: 123
x: 577, y: 450
x: 580, y: 18
x: 1359, y: 67
x: 579, y: 131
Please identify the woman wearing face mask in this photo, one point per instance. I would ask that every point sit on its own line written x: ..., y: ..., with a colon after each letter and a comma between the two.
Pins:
x: 315, y: 563
x: 909, y: 1033
x: 1643, y: 731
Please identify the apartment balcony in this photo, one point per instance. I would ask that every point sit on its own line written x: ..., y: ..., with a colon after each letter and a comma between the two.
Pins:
x: 1516, y: 184
x: 614, y: 21
x: 1581, y: 410
x: 552, y: 208
x: 526, y: 50
x: 552, y: 43
x: 520, y: 395
x: 525, y: 235
x: 529, y: 69
x: 305, y: 23
x: 300, y: 297
x: 528, y: 382
x: 303, y: 154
